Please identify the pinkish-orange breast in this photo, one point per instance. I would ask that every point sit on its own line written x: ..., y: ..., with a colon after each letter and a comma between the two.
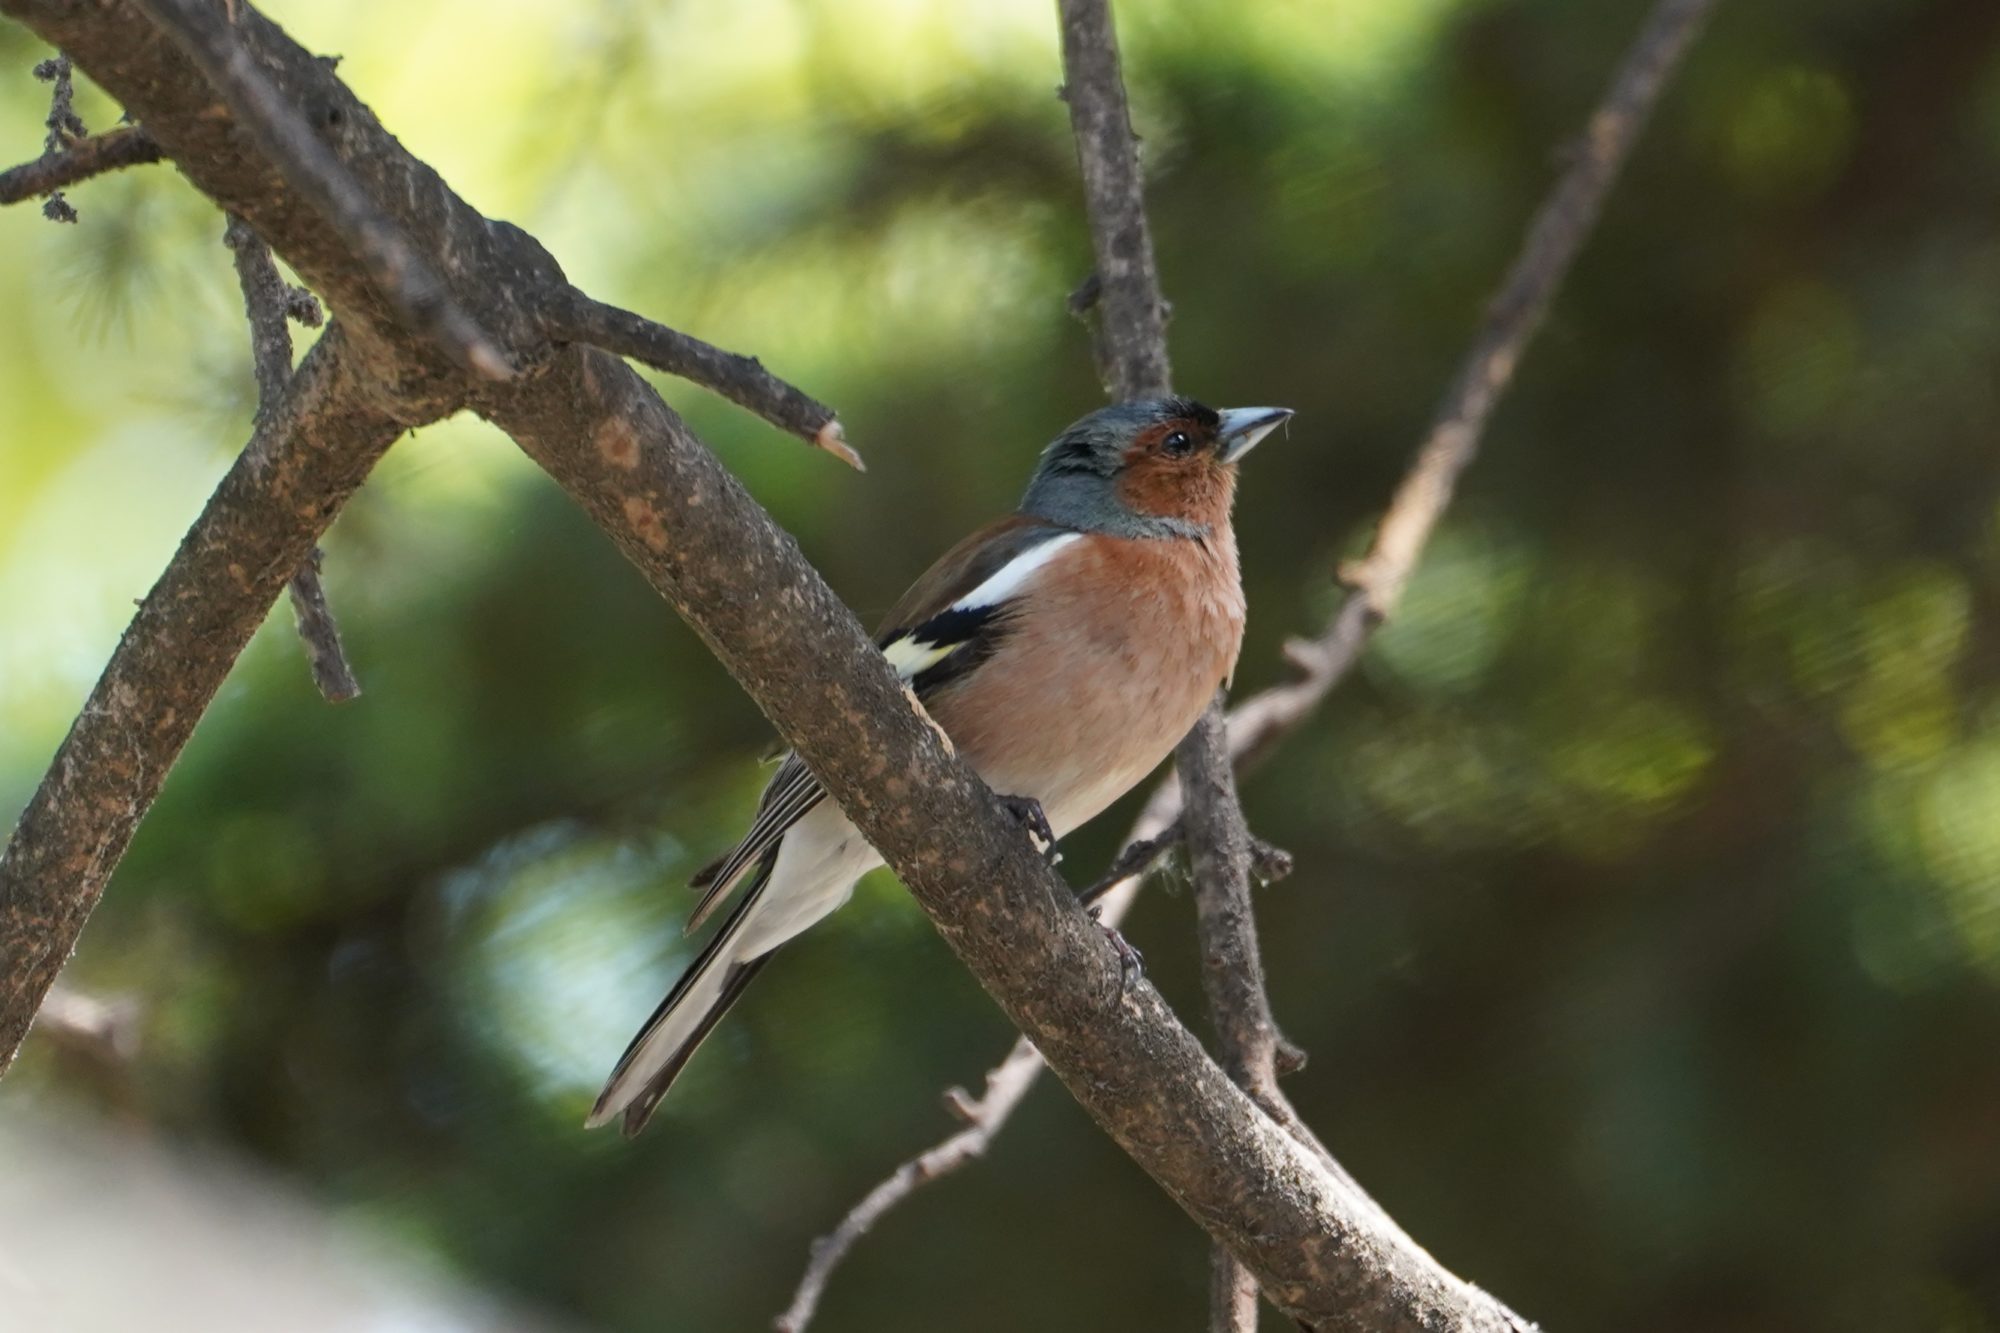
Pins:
x: 1119, y: 646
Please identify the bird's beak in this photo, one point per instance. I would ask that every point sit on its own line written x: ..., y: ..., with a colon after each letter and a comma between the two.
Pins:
x: 1243, y: 427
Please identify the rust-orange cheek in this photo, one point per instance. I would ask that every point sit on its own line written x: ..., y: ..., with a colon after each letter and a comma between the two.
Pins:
x: 1192, y: 488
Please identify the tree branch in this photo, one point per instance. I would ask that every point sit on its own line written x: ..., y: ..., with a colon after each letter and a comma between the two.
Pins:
x: 64, y: 127
x: 1259, y: 724
x: 1232, y: 969
x: 1131, y: 350
x: 301, y: 465
x: 271, y: 303
x: 1131, y: 343
x: 319, y: 633
x: 1005, y: 1086
x: 570, y: 316
x: 126, y: 146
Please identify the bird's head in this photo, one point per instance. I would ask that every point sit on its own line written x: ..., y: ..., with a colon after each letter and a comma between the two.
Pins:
x: 1155, y: 467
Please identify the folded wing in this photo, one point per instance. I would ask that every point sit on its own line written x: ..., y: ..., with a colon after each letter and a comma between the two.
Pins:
x: 945, y: 626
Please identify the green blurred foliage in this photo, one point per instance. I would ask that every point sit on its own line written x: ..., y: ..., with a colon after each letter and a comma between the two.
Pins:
x: 1647, y: 932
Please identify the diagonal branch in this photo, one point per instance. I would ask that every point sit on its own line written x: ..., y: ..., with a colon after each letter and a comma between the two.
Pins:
x: 1558, y: 232
x: 52, y: 172
x: 303, y: 462
x: 208, y: 36
x: 570, y: 316
x: 271, y: 304
x: 1259, y: 724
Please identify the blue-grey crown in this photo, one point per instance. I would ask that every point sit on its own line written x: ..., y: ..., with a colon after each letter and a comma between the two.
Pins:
x: 1075, y: 484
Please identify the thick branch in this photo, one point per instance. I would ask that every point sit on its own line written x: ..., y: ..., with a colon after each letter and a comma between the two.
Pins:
x: 300, y: 467
x: 127, y: 146
x: 1131, y: 313
x: 204, y: 31
x: 1260, y: 723
x: 570, y: 316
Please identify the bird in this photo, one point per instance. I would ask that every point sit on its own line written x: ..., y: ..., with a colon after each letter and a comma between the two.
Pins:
x: 1065, y: 649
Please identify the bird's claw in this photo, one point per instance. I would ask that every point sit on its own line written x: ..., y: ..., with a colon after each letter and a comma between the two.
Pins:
x: 1036, y: 821
x: 1131, y: 963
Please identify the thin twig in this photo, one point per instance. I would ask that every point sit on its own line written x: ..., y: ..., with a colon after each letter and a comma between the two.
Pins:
x: 1131, y: 349
x: 1555, y: 236
x: 570, y: 316
x: 1135, y: 862
x: 64, y: 126
x: 266, y: 300
x: 1268, y: 863
x: 204, y: 32
x: 1005, y: 1086
x: 1131, y: 313
x: 52, y: 172
x: 270, y: 302
x: 1232, y: 966
x: 319, y: 632
x: 1261, y: 722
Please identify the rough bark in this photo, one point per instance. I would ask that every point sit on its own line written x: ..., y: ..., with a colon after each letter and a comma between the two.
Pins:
x: 1131, y: 314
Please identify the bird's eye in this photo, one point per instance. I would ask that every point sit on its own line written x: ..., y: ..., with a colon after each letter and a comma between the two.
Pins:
x: 1177, y: 443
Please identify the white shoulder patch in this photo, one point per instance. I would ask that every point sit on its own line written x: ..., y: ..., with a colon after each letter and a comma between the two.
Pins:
x: 1012, y: 577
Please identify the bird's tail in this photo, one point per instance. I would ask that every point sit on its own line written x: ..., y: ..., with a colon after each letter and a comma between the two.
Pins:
x: 689, y: 1013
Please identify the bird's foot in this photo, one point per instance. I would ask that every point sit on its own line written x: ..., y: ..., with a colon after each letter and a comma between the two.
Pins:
x: 1029, y: 811
x: 1131, y: 963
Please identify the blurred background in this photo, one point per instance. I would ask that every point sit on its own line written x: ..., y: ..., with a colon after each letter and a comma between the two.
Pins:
x: 1646, y: 932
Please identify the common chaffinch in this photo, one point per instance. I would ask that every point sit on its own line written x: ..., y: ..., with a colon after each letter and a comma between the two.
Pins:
x: 1065, y: 649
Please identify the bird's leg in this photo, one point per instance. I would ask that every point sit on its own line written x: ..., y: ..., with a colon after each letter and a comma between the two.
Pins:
x: 1029, y: 811
x: 1131, y: 963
